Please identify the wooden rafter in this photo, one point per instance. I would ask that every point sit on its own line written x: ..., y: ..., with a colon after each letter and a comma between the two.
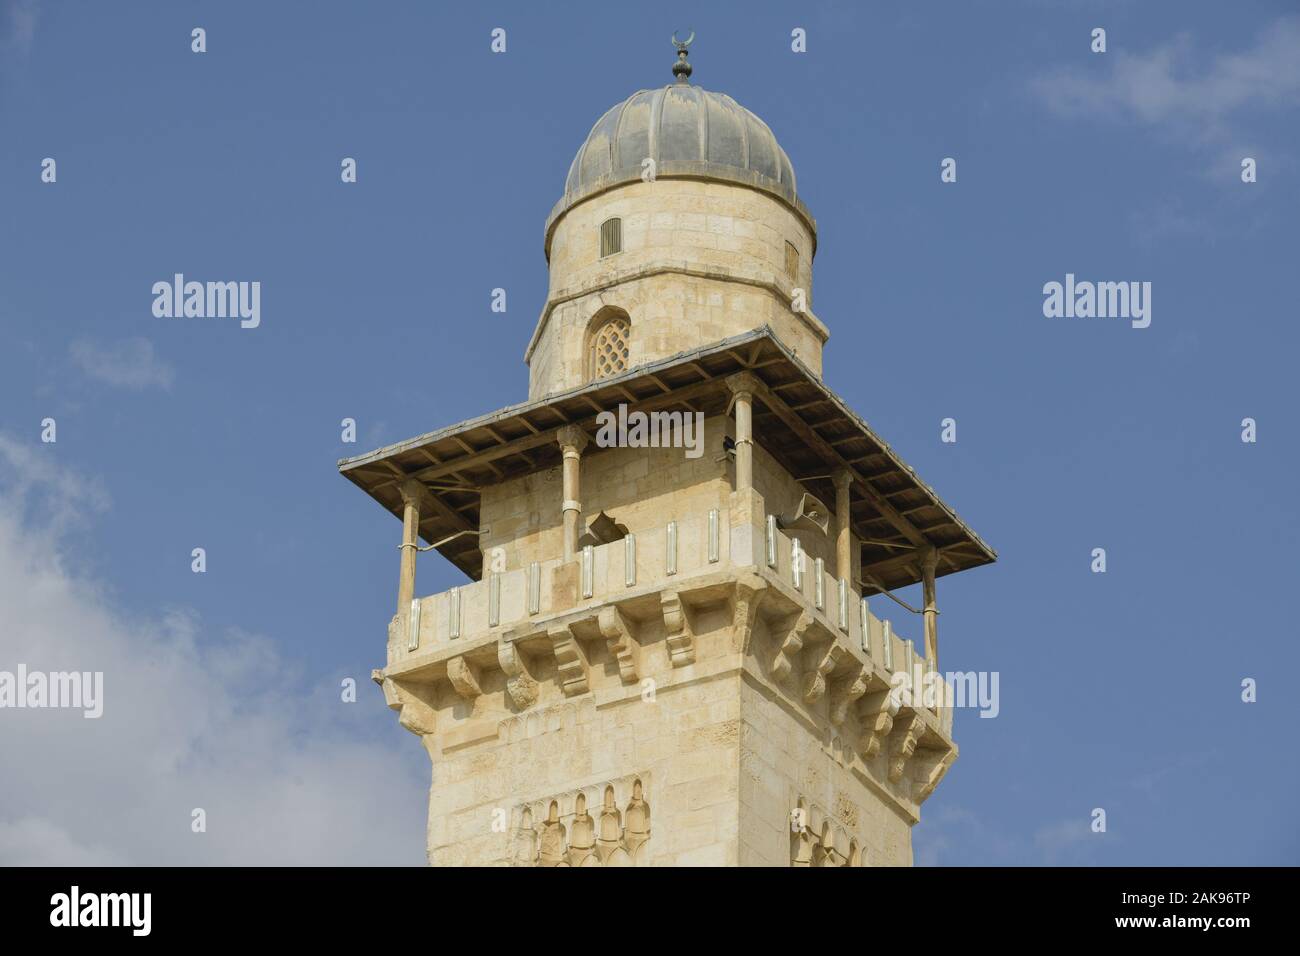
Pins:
x: 833, y: 458
x: 887, y: 502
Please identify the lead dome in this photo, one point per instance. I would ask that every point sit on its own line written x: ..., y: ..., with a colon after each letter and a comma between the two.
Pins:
x: 715, y: 243
x: 686, y: 130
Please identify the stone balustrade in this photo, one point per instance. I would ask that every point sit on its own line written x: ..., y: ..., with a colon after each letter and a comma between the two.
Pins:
x: 650, y: 560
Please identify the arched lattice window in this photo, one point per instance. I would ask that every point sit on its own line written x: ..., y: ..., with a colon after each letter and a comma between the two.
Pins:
x: 609, y: 346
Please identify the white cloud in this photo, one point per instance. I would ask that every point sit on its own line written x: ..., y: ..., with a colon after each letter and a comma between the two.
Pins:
x: 1174, y: 84
x: 1223, y: 107
x: 190, y: 720
x: 34, y: 841
x: 130, y: 363
x: 954, y: 836
x: 1064, y: 838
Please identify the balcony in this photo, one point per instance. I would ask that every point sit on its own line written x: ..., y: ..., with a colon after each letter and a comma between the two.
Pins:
x: 694, y: 560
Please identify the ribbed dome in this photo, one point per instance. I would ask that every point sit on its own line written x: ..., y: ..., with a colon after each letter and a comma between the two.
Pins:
x: 687, y: 131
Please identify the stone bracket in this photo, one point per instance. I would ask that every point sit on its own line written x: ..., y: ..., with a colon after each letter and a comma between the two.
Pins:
x: 902, y: 743
x: 464, y: 677
x: 623, y: 645
x: 520, y: 683
x: 413, y: 711
x: 814, y: 685
x: 791, y: 645
x: 876, y: 716
x: 572, y: 668
x: 931, y: 765
x: 746, y: 598
x: 677, y: 627
x: 846, y: 691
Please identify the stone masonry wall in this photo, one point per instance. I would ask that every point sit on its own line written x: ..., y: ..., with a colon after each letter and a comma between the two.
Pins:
x: 700, y: 262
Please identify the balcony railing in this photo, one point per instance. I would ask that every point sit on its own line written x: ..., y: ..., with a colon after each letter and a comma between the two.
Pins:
x: 682, y: 548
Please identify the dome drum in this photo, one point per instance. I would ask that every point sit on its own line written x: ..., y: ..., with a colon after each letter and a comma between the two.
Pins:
x: 689, y: 133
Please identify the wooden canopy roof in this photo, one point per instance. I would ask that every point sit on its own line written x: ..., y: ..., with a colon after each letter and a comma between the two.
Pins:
x: 797, y: 420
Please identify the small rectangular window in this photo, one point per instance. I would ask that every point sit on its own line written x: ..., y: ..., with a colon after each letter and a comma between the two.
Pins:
x: 791, y: 261
x: 611, y: 237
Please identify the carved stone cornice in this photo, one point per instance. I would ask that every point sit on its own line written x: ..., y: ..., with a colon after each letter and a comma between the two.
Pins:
x: 813, y: 670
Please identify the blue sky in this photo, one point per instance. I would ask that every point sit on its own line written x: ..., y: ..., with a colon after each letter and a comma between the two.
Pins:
x: 1118, y: 690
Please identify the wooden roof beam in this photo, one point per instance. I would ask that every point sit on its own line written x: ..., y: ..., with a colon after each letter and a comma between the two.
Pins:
x: 835, y: 460
x: 740, y: 359
x: 550, y: 435
x: 434, y: 507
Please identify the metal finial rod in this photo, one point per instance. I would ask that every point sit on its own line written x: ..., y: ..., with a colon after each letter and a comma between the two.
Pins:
x: 682, y: 69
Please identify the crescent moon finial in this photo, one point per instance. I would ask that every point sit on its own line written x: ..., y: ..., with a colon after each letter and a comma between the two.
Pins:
x: 682, y: 69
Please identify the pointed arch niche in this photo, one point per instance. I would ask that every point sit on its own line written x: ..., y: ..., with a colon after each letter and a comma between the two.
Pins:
x: 609, y: 343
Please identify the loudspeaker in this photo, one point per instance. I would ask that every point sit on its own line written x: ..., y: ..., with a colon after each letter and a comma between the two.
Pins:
x: 810, y: 514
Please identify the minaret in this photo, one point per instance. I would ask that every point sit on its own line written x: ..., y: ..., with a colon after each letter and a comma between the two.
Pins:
x: 663, y: 653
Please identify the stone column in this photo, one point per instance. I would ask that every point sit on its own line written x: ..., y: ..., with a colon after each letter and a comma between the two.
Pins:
x: 929, y: 562
x: 742, y: 386
x: 412, y: 491
x: 844, y: 536
x: 572, y: 441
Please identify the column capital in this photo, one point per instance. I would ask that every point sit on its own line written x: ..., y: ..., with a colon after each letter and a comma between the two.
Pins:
x: 743, y: 383
x: 571, y: 437
x: 930, y: 560
x: 843, y: 478
x: 411, y: 490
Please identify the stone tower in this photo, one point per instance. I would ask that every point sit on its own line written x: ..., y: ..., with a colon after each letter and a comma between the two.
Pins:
x: 663, y: 653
